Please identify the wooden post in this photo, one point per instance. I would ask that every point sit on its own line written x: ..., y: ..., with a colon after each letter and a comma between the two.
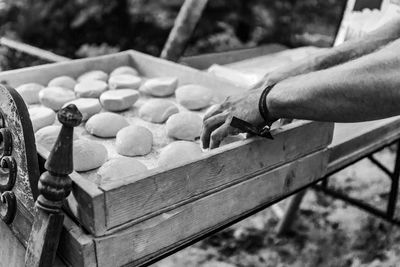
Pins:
x: 54, y: 187
x: 185, y: 23
x: 32, y: 50
x: 290, y: 213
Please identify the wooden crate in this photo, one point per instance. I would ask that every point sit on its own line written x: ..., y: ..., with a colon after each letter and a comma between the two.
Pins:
x: 108, y: 209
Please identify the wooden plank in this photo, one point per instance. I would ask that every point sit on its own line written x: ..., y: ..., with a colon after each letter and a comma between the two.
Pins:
x: 92, y: 214
x: 355, y: 140
x: 163, y: 232
x: 44, y: 73
x: 76, y: 246
x: 204, y: 61
x: 185, y: 23
x: 12, y: 251
x: 220, y: 168
x: 32, y: 50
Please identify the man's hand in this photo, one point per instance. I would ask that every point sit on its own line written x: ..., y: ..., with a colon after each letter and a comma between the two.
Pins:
x: 216, y: 122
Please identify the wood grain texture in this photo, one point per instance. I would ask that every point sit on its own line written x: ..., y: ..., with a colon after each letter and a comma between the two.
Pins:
x: 185, y: 23
x: 127, y: 202
x: 218, y: 169
x: 204, y: 61
x: 16, y: 119
x: 171, y: 228
x: 92, y: 214
x: 352, y: 141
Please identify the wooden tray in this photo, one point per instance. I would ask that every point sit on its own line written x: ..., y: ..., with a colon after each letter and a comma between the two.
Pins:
x: 107, y: 209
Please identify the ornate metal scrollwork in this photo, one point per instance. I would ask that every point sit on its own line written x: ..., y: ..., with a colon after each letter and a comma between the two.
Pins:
x: 8, y: 175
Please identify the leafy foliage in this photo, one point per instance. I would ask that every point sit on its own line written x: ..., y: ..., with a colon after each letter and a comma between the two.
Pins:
x: 94, y: 27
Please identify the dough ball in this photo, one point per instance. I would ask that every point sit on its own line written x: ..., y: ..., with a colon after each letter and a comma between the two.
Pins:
x: 184, y: 126
x: 88, y: 155
x: 30, y: 92
x: 63, y: 81
x: 134, y: 141
x: 178, y: 152
x: 125, y: 81
x: 194, y: 96
x: 118, y: 100
x: 90, y: 88
x: 41, y: 117
x: 93, y: 75
x: 124, y: 70
x: 55, y: 97
x: 106, y: 124
x: 87, y: 106
x: 47, y: 136
x: 162, y: 86
x: 119, y: 168
x: 157, y: 110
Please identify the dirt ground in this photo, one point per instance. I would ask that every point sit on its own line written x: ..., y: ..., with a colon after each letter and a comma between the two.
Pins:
x: 327, y: 232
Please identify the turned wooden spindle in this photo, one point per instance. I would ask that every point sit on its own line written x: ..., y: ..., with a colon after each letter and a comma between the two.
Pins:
x: 54, y: 187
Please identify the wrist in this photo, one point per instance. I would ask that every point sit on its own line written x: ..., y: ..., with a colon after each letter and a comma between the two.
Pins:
x: 263, y: 106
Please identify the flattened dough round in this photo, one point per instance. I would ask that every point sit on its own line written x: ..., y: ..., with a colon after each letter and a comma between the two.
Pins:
x: 41, y: 117
x: 178, y: 152
x: 87, y: 106
x: 47, y: 136
x: 63, y: 81
x: 88, y: 155
x: 157, y: 110
x: 30, y: 92
x: 184, y: 126
x: 93, y: 75
x: 161, y: 86
x: 106, y: 124
x: 118, y: 100
x: 125, y: 81
x: 90, y: 88
x: 55, y: 97
x: 194, y: 96
x: 119, y: 168
x: 124, y: 70
x: 134, y: 141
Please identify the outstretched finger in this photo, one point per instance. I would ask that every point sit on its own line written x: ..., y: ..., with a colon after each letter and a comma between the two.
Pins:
x: 220, y: 133
x: 211, y: 111
x: 210, y: 125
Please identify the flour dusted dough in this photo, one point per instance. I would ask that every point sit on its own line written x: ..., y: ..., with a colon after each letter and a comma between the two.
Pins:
x: 134, y: 141
x: 194, y: 96
x: 118, y: 100
x: 47, y: 136
x: 157, y: 110
x: 87, y: 106
x: 178, y: 152
x: 63, y: 81
x: 125, y: 81
x: 41, y: 117
x: 184, y: 126
x: 120, y: 168
x: 90, y: 88
x: 161, y: 86
x: 88, y: 155
x: 93, y: 75
x: 124, y: 70
x: 55, y: 97
x: 30, y: 92
x: 106, y: 124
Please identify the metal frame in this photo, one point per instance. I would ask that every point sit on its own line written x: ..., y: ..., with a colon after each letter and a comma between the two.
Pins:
x: 389, y: 213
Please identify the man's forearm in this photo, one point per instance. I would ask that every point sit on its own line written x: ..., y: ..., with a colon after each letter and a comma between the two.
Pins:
x: 364, y: 89
x: 340, y: 54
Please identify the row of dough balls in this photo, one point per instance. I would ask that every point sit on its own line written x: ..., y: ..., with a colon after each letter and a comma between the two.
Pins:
x: 88, y: 154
